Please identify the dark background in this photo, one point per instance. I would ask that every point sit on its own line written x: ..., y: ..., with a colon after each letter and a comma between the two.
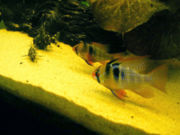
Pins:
x: 22, y: 117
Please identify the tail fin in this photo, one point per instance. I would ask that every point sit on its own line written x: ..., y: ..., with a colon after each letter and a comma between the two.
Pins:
x: 159, y: 77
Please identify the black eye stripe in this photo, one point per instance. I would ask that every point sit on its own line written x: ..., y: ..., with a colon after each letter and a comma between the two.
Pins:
x: 97, y: 75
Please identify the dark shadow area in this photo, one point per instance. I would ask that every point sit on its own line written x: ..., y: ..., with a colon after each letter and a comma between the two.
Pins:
x: 32, y: 116
x: 18, y: 116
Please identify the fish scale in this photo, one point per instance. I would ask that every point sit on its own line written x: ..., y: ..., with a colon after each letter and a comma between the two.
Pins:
x: 130, y: 76
x: 125, y: 75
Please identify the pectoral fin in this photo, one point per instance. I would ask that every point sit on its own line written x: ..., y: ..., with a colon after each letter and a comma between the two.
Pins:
x: 121, y: 94
x: 89, y: 63
x: 89, y: 59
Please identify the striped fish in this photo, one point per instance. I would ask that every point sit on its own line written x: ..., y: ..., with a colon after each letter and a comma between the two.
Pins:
x: 119, y: 75
x: 94, y: 52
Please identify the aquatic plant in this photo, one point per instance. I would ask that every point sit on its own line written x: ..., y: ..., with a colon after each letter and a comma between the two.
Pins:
x: 43, y: 38
x: 71, y: 18
x: 32, y: 54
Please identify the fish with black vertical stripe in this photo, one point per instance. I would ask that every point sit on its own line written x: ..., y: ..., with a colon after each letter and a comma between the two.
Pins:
x: 127, y: 74
x: 95, y: 52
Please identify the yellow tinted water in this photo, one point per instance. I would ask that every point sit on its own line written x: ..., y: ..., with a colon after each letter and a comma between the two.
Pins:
x: 60, y: 72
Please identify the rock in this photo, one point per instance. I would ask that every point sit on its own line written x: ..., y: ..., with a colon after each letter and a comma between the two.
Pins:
x: 124, y: 15
x: 158, y: 38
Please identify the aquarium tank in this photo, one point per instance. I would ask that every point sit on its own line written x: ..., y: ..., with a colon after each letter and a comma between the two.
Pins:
x: 105, y: 67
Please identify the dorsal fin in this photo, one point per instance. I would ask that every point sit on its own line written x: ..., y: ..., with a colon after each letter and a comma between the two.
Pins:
x: 138, y: 63
x: 110, y: 62
x: 101, y: 46
x: 117, y: 55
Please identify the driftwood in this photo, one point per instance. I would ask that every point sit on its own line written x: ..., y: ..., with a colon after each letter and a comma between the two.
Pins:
x: 72, y: 21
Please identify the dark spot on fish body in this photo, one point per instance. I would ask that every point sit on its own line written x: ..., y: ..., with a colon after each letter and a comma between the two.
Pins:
x: 122, y: 75
x: 107, y: 69
x: 116, y: 71
x: 91, y: 50
x: 108, y: 66
x: 85, y: 45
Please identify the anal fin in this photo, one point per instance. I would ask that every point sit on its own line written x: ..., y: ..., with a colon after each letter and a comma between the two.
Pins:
x: 144, y: 90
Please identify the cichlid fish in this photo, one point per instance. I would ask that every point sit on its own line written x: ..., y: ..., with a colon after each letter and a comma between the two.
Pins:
x: 118, y: 75
x: 94, y: 52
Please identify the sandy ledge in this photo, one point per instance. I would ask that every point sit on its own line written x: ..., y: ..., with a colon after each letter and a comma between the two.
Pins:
x: 62, y: 82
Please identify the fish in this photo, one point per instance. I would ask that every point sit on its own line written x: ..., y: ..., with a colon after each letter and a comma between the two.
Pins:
x: 95, y: 52
x: 120, y: 75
